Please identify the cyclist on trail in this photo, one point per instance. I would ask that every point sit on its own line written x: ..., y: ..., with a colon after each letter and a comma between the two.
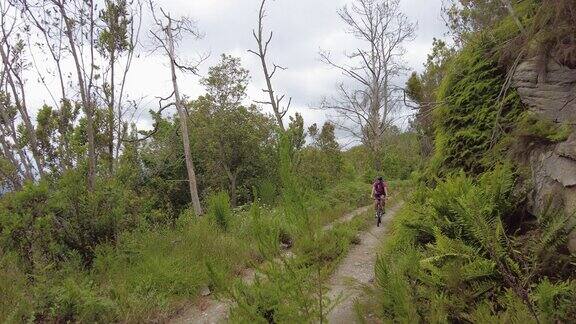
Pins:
x: 379, y: 193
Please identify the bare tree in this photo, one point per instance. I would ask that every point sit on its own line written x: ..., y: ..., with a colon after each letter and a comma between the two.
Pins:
x: 13, y: 63
x: 263, y: 43
x: 366, y: 101
x: 168, y: 32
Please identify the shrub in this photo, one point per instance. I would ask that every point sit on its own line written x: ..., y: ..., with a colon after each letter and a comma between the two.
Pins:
x: 267, y: 192
x: 16, y: 301
x: 451, y: 257
x: 219, y: 209
x: 44, y: 221
x: 534, y: 128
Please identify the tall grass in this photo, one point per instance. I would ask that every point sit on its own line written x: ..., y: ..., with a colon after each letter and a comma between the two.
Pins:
x: 219, y: 209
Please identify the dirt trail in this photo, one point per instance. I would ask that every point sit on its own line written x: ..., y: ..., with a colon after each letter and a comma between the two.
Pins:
x: 355, y: 270
x: 209, y: 311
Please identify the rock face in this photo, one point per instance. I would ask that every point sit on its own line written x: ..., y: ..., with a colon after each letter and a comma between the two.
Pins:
x: 553, y: 97
x: 551, y: 94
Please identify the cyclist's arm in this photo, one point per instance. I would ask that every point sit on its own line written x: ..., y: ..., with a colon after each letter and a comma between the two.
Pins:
x: 386, y: 191
x: 373, y: 194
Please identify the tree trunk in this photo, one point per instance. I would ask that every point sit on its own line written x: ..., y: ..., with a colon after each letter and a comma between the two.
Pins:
x: 86, y: 101
x: 19, y: 101
x: 233, y: 194
x: 273, y: 101
x: 111, y: 115
x: 183, y: 124
x: 232, y: 178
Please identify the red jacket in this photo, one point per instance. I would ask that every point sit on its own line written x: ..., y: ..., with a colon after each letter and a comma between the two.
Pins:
x: 379, y: 188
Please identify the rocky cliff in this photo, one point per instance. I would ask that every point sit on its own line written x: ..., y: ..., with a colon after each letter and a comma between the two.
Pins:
x: 551, y: 95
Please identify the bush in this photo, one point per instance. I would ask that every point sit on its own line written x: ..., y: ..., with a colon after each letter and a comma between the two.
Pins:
x: 148, y: 270
x: 267, y: 192
x: 16, y: 301
x: 44, y: 222
x: 219, y: 209
x: 451, y: 257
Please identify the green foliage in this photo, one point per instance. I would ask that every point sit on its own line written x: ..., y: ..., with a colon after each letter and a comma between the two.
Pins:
x: 291, y: 288
x: 234, y: 143
x: 534, y: 128
x: 400, y: 158
x: 472, y: 110
x: 321, y: 164
x: 15, y: 303
x: 226, y: 83
x: 45, y: 222
x: 267, y: 192
x: 296, y: 131
x: 113, y: 38
x: 549, y: 34
x: 219, y: 209
x: 452, y: 257
x: 466, y: 17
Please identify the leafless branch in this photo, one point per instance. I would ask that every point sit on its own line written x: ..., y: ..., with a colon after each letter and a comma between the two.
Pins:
x: 261, y: 52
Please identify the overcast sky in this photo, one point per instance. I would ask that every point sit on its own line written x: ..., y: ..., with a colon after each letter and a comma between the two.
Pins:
x: 301, y: 28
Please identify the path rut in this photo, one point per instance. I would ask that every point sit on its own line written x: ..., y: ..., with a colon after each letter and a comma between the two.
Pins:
x: 210, y: 311
x: 355, y: 270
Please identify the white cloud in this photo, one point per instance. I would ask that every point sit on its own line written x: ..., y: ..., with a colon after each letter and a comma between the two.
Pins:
x: 301, y: 28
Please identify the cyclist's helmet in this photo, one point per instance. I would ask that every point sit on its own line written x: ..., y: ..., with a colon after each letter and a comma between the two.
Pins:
x: 379, y: 178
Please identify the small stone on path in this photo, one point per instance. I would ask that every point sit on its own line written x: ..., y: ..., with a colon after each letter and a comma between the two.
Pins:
x: 205, y: 291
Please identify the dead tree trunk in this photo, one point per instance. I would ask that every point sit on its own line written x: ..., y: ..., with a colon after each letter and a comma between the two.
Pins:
x: 275, y: 100
x: 193, y: 186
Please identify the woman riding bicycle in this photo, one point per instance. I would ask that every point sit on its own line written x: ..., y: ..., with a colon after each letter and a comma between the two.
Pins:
x: 379, y: 194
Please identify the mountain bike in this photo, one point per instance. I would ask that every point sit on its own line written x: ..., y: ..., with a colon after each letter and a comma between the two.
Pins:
x: 379, y: 211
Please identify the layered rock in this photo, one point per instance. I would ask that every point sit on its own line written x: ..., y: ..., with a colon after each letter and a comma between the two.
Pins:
x: 551, y: 95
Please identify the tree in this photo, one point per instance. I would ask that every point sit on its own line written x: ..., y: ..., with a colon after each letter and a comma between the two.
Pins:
x: 263, y: 43
x: 226, y: 83
x: 364, y: 108
x: 79, y: 36
x: 13, y: 85
x: 325, y: 139
x: 232, y: 139
x: 465, y: 17
x: 422, y: 89
x: 320, y: 164
x: 117, y: 38
x: 296, y: 131
x: 167, y: 33
x: 236, y: 156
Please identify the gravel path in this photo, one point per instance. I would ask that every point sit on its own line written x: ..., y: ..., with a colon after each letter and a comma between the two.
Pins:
x: 210, y: 311
x: 356, y: 269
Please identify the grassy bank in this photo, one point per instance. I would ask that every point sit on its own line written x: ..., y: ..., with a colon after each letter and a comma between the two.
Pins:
x: 151, y: 270
x: 292, y: 287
